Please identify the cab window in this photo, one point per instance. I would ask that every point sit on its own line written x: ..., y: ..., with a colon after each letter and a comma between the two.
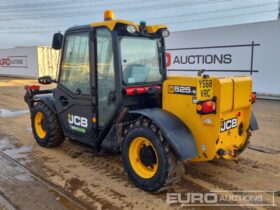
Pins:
x: 75, y: 71
x: 140, y: 60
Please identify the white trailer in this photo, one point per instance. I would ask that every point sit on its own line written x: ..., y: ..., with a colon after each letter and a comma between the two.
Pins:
x: 30, y: 62
x: 248, y: 49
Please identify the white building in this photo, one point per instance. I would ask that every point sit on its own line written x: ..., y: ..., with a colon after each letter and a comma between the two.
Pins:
x: 247, y: 49
x: 30, y: 62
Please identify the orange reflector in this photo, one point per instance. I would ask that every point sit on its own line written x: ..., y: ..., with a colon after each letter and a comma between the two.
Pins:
x: 94, y: 119
x: 109, y: 15
x: 199, y: 107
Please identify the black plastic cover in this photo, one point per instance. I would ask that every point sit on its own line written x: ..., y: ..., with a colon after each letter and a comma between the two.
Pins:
x: 175, y: 131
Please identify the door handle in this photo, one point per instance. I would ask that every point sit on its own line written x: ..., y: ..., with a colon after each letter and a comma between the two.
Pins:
x: 63, y: 101
x: 111, y: 97
x: 78, y: 92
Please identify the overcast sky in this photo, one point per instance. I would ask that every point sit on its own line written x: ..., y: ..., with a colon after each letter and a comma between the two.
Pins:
x: 31, y: 22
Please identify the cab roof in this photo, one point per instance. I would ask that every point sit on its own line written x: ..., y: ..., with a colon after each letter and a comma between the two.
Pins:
x: 110, y: 23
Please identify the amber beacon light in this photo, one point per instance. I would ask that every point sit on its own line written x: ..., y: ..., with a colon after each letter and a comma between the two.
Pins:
x: 109, y: 15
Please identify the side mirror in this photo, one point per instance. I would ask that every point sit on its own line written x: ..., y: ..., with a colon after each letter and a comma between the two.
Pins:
x: 57, y: 41
x: 45, y: 80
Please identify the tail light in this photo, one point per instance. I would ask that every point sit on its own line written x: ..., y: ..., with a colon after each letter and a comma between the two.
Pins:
x: 254, y: 96
x: 206, y: 107
x: 32, y: 87
x: 139, y: 90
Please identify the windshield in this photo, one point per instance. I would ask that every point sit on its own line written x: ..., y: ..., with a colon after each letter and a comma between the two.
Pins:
x: 140, y: 60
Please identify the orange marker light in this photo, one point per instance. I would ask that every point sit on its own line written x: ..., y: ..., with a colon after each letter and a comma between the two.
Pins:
x: 199, y: 107
x: 109, y: 15
x: 94, y: 119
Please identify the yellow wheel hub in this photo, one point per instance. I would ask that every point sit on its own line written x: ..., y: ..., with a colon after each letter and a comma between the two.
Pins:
x: 41, y: 132
x: 143, y: 170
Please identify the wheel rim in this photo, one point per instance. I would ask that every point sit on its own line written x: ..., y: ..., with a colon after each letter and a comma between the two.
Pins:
x: 139, y: 149
x: 39, y: 120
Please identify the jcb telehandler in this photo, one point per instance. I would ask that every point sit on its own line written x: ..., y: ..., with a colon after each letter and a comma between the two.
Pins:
x: 113, y: 93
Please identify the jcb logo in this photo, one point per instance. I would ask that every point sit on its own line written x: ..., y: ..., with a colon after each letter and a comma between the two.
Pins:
x: 77, y: 120
x: 229, y: 124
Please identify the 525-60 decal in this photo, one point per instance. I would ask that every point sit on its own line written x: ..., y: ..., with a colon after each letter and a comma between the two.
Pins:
x: 178, y: 89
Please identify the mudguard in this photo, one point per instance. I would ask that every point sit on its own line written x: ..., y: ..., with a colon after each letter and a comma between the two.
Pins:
x: 253, y: 122
x: 175, y: 131
x: 48, y: 99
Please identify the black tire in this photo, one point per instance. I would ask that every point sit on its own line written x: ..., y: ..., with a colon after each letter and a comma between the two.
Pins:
x: 51, y: 126
x: 168, y: 169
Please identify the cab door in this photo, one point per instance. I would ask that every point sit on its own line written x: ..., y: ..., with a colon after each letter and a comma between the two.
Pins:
x: 74, y: 102
x: 106, y: 79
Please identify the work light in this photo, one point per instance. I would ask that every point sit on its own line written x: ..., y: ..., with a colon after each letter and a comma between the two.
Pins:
x: 165, y: 33
x: 131, y: 29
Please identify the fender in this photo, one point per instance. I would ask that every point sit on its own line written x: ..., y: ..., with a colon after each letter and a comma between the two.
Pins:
x: 48, y: 99
x: 177, y: 134
x: 253, y: 122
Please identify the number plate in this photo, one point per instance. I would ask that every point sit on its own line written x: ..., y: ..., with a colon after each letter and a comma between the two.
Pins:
x: 204, y: 89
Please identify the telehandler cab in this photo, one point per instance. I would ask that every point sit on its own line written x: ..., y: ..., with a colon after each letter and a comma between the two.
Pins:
x: 113, y: 93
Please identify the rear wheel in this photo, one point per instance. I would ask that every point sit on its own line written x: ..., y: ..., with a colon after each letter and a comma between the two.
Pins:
x: 147, y: 157
x: 46, y: 126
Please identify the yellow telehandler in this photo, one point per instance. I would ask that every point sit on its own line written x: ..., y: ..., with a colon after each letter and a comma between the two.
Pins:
x: 113, y: 93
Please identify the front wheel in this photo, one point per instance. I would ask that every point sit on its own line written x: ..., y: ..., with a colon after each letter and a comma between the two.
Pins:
x: 46, y: 126
x: 147, y: 157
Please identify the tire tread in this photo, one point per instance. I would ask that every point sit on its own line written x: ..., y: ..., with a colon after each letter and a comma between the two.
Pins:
x: 55, y: 136
x: 175, y: 166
